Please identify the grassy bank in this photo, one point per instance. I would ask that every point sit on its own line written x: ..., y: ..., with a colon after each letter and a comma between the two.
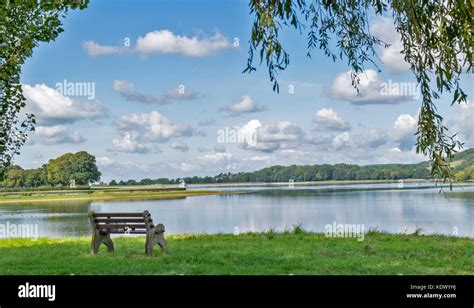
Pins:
x: 109, y: 195
x: 295, y: 252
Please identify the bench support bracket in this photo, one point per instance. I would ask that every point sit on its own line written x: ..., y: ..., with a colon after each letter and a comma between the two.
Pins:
x: 100, y: 237
x: 154, y: 235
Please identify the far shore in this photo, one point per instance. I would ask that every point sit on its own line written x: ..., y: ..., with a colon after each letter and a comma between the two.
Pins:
x: 283, y: 184
x: 157, y: 192
x: 307, y: 183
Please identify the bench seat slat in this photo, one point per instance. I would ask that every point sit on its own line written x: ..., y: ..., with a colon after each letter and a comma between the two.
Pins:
x: 118, y: 215
x: 120, y: 226
x: 131, y: 232
x: 115, y: 220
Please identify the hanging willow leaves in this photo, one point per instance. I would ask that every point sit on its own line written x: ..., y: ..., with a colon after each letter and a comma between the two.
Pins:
x: 437, y: 44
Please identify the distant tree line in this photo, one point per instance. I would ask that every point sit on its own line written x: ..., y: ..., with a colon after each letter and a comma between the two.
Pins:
x: 462, y: 164
x: 80, y: 167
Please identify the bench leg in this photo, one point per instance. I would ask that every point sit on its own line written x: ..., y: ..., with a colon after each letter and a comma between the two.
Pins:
x: 155, y: 236
x: 108, y: 242
x: 98, y: 239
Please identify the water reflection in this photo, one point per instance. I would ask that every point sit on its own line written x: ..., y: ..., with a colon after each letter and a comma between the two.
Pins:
x: 312, y: 207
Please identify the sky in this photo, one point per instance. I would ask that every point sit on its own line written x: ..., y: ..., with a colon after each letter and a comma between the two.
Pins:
x: 155, y: 89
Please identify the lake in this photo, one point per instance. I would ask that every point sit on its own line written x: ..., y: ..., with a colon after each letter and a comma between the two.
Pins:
x: 377, y: 206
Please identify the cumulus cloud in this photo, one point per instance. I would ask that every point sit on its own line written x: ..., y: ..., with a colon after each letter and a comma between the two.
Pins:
x: 179, y: 146
x: 126, y: 169
x: 340, y: 141
x: 244, y: 105
x: 270, y: 137
x: 344, y: 142
x: 318, y: 139
x: 372, y: 139
x: 51, y: 107
x: 404, y: 130
x: 95, y: 49
x: 165, y: 42
x: 129, y: 144
x: 372, y: 90
x: 128, y: 91
x: 152, y: 126
x: 328, y: 119
x: 259, y: 158
x: 58, y: 134
x: 465, y: 121
x: 215, y: 162
x: 384, y: 29
x: 293, y: 154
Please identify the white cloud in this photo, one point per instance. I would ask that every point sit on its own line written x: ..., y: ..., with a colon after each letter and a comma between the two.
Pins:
x: 270, y: 137
x: 259, y: 158
x: 404, y: 130
x: 328, y: 119
x: 164, y: 42
x: 58, y: 134
x: 244, y: 105
x: 50, y: 107
x: 372, y: 139
x: 384, y: 29
x: 179, y: 146
x: 317, y: 138
x: 122, y: 169
x: 153, y: 126
x: 129, y: 144
x: 340, y: 141
x: 128, y: 90
x: 397, y: 155
x: 465, y: 121
x: 211, y: 163
x: 95, y: 49
x: 293, y: 154
x: 371, y: 89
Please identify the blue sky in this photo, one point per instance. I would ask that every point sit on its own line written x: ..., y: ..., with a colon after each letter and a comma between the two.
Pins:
x: 161, y: 102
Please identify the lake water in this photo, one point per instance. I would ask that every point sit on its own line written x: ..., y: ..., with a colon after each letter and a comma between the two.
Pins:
x: 380, y: 206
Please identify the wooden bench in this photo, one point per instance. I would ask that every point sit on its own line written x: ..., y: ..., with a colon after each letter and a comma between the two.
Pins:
x: 104, y: 224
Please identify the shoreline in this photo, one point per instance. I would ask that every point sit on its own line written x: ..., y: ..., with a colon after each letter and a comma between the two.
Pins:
x: 116, y: 196
x: 155, y: 192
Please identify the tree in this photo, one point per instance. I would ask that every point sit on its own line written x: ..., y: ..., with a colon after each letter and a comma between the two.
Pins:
x: 23, y: 24
x: 15, y: 177
x: 80, y: 167
x: 36, y: 177
x: 55, y: 171
x: 437, y: 44
x: 113, y: 183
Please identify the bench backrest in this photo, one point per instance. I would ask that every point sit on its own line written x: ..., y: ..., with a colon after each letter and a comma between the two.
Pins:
x: 125, y: 223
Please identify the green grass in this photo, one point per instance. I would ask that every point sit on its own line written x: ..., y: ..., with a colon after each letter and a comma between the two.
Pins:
x: 297, y: 252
